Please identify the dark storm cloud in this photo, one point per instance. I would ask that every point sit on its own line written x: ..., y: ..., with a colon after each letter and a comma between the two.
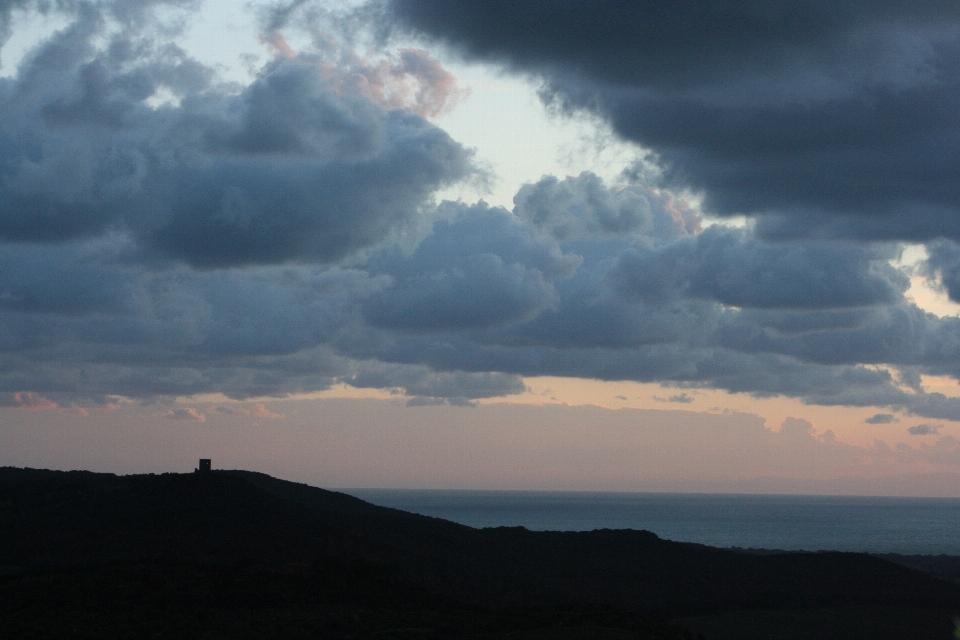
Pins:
x: 902, y: 334
x: 124, y: 164
x: 584, y: 206
x: 478, y: 269
x: 648, y: 41
x: 943, y: 265
x: 293, y: 167
x: 67, y: 280
x: 731, y: 311
x: 163, y: 233
x: 732, y: 267
x: 432, y: 388
x: 834, y: 118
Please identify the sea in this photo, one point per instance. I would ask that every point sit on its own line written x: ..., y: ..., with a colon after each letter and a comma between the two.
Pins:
x: 927, y: 526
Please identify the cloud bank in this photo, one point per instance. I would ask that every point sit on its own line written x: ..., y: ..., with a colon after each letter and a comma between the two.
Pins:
x: 166, y: 233
x: 822, y: 120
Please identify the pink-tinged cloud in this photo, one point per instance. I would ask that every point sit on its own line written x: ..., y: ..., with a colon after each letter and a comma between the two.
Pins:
x: 85, y: 409
x: 278, y: 44
x: 260, y: 410
x: 437, y: 90
x: 188, y: 413
x: 27, y: 400
x: 35, y: 402
x: 412, y: 80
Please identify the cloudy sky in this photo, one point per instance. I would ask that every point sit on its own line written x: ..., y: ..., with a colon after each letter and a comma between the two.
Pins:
x: 578, y: 245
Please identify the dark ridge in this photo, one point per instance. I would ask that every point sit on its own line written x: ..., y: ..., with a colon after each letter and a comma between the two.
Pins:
x: 51, y: 520
x: 304, y: 494
x: 942, y: 566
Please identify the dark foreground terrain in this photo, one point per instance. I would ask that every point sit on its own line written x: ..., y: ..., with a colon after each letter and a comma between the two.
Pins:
x: 331, y: 599
x: 233, y: 554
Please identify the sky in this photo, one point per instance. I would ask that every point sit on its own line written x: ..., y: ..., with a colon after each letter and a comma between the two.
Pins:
x: 560, y: 245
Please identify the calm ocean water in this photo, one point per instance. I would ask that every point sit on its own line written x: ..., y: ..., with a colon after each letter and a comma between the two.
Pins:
x: 878, y: 525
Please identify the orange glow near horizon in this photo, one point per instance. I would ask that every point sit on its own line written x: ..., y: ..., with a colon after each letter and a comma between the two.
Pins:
x: 848, y: 423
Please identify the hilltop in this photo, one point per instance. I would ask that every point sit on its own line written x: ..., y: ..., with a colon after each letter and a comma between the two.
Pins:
x: 68, y: 526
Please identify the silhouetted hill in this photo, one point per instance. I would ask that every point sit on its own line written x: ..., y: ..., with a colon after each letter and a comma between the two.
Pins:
x: 941, y: 566
x: 242, y: 519
x: 331, y: 599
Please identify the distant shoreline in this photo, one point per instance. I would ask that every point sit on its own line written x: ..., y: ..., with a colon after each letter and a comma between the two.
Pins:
x: 792, y: 523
